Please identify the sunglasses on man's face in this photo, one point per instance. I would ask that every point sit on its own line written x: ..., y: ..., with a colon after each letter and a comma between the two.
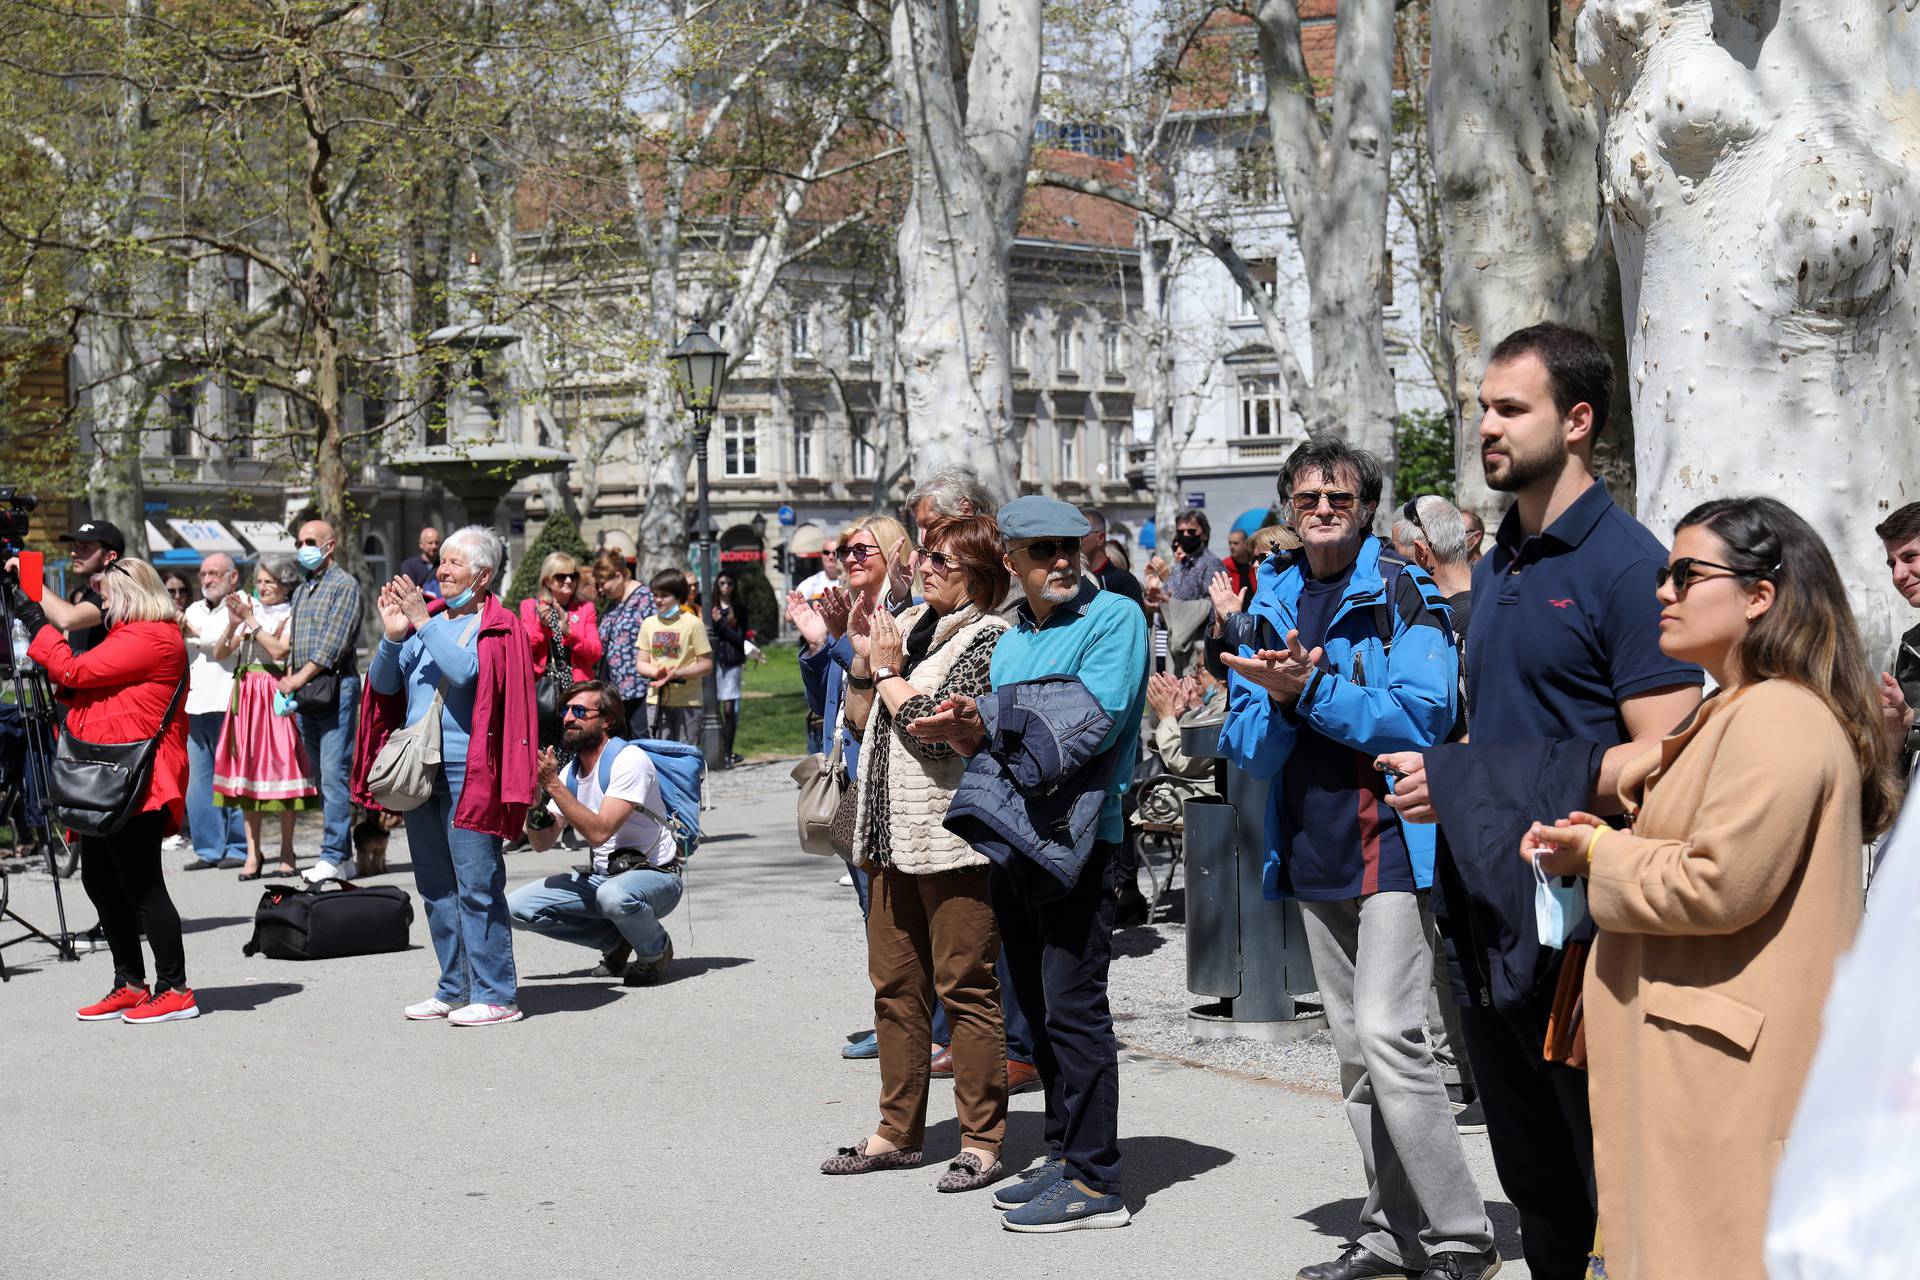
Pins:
x: 1047, y: 550
x: 581, y: 713
x: 1338, y: 499
x: 312, y: 542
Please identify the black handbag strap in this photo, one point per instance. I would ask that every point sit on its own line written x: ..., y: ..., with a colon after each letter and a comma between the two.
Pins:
x: 173, y: 707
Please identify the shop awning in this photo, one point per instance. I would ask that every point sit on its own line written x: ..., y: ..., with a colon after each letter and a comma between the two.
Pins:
x: 157, y: 541
x: 265, y: 535
x: 208, y: 536
x: 806, y: 540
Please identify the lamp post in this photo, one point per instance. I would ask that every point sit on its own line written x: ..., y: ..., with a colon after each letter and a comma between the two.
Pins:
x: 700, y: 371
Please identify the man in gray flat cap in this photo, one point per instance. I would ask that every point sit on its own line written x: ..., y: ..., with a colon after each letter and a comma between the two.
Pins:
x: 1058, y: 946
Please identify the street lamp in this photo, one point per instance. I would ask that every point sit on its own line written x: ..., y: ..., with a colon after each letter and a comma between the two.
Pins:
x: 700, y: 371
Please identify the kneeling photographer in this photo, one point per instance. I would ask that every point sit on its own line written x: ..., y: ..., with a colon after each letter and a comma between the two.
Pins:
x: 615, y: 903
x: 127, y: 688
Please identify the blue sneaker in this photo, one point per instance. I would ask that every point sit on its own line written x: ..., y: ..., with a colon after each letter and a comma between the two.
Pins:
x: 867, y: 1046
x: 1031, y: 1184
x: 1067, y: 1206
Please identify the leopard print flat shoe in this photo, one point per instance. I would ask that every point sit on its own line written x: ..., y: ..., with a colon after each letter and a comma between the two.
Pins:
x: 854, y: 1159
x: 967, y: 1174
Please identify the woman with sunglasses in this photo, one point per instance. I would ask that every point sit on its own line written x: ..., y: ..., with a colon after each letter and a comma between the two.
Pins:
x: 562, y: 611
x: 467, y: 663
x: 930, y: 925
x: 179, y: 591
x: 727, y: 629
x: 1724, y: 909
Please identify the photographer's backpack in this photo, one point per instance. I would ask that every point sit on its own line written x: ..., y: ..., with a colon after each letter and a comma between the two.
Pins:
x: 682, y: 770
x: 330, y: 919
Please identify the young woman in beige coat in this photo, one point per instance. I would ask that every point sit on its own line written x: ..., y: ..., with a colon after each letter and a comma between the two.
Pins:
x: 1722, y: 913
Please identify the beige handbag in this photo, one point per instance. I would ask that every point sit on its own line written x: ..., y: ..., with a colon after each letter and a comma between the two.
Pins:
x: 823, y: 792
x: 401, y: 777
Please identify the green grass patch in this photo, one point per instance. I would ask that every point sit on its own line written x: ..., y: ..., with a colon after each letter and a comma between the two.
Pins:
x: 773, y: 708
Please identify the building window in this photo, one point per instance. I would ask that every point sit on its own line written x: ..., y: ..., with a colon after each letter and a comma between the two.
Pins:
x: 1265, y: 275
x: 803, y: 437
x: 373, y: 411
x: 1021, y: 346
x: 1113, y: 350
x: 1066, y: 349
x: 1029, y: 447
x: 1249, y: 77
x: 1116, y: 455
x: 1253, y: 179
x: 235, y: 279
x: 180, y: 422
x: 800, y: 333
x: 857, y: 338
x: 860, y: 454
x: 740, y: 443
x: 1261, y: 406
x: 1069, y: 451
x: 243, y: 412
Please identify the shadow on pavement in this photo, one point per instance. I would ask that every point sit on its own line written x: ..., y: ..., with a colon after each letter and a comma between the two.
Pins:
x: 1154, y: 1163
x: 569, y: 999
x: 204, y: 923
x: 1137, y: 940
x: 1340, y: 1220
x: 244, y: 998
x: 694, y: 966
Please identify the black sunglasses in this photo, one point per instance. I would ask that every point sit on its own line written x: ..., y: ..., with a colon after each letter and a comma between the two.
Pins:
x: 1045, y: 550
x: 1411, y: 513
x: 566, y: 577
x: 1685, y: 571
x: 1338, y: 499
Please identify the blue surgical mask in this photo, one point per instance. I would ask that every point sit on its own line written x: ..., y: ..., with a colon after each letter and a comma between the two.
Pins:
x: 1559, y: 905
x: 465, y: 598
x: 311, y: 558
x: 667, y: 614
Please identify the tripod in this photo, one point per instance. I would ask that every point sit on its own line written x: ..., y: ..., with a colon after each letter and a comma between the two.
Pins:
x: 33, y: 701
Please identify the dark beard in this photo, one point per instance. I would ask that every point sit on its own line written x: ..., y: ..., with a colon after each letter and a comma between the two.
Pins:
x: 1525, y: 470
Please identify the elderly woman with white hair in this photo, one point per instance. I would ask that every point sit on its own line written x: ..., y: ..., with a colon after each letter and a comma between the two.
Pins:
x: 464, y: 658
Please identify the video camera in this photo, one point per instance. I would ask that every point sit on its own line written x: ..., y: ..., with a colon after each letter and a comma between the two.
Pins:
x: 16, y: 515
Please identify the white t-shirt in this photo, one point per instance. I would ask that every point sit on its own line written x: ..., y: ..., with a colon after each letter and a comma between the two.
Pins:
x: 815, y: 586
x: 209, y: 679
x: 632, y: 778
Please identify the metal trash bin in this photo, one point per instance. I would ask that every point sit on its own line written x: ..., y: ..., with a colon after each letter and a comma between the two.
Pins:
x: 1245, y: 951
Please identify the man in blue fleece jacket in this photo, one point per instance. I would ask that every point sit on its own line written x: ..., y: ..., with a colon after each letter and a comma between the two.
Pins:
x: 1058, y: 949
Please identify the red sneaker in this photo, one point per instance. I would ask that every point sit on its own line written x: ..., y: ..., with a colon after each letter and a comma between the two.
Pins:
x: 117, y: 1002
x: 165, y: 1007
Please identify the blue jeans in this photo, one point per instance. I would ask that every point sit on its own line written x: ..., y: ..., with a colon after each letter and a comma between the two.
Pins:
x: 600, y: 912
x: 216, y: 832
x: 462, y: 878
x: 1019, y: 1036
x: 330, y: 749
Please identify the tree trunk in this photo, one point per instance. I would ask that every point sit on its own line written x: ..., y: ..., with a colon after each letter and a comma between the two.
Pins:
x: 969, y: 136
x: 1334, y: 176
x: 1759, y: 180
x: 1515, y: 135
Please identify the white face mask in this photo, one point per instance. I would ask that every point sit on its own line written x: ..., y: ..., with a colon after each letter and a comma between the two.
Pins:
x: 1558, y: 906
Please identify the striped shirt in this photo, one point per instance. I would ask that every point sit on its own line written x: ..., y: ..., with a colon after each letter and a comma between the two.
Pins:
x: 326, y: 621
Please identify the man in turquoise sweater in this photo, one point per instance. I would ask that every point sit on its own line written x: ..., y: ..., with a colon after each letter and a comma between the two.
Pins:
x: 1058, y: 949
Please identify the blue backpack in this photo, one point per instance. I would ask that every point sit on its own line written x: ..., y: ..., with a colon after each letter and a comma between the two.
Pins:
x: 682, y: 770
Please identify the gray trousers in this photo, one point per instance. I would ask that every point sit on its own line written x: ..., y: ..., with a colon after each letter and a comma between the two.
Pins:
x: 1374, y: 959
x: 1443, y: 1025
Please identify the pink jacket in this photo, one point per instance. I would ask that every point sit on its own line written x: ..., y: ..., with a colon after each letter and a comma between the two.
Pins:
x: 502, y: 753
x: 582, y: 642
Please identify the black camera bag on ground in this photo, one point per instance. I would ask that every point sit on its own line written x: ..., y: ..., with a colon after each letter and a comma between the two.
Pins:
x: 334, y: 918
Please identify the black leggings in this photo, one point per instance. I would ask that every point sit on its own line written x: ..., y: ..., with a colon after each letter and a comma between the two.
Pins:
x: 729, y: 724
x: 121, y: 873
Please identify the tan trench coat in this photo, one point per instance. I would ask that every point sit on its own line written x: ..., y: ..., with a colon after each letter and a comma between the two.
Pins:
x: 1721, y: 917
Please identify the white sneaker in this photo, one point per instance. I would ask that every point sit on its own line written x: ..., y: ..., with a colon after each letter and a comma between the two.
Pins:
x: 846, y: 880
x: 428, y: 1010
x: 325, y: 870
x: 172, y: 844
x: 485, y: 1015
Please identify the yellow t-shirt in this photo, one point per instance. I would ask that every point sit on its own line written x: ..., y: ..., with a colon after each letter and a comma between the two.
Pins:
x: 673, y: 645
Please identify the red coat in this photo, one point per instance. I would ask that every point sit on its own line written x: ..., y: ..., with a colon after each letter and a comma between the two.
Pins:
x: 583, y: 637
x: 120, y: 690
x: 502, y: 752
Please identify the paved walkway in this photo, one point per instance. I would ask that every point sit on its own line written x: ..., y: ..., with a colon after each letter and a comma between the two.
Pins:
x: 301, y: 1128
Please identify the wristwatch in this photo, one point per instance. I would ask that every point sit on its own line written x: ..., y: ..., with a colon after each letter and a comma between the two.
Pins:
x: 884, y: 673
x: 862, y: 683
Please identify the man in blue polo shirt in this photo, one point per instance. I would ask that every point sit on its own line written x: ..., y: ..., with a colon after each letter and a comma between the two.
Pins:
x: 1565, y: 645
x: 1058, y: 949
x: 1362, y: 662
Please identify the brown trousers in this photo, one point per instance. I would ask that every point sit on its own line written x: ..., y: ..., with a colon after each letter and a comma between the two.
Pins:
x: 925, y: 933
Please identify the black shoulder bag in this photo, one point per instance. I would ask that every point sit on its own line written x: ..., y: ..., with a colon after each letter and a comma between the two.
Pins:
x: 551, y: 691
x: 97, y: 787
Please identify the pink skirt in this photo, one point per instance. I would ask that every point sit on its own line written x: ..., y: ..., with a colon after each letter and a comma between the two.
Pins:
x: 261, y: 762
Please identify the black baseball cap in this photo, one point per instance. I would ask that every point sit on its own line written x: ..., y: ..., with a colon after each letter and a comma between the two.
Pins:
x: 107, y: 535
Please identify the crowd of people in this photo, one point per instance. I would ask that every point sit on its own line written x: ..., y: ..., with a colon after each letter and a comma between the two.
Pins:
x: 1576, y: 865
x: 276, y: 718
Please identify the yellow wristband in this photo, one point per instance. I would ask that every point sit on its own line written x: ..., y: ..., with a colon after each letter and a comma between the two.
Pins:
x: 1592, y: 840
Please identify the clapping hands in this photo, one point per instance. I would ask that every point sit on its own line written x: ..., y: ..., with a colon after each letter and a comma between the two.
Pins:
x: 1282, y: 673
x: 955, y: 721
x: 402, y: 608
x: 806, y: 620
x: 1225, y: 596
